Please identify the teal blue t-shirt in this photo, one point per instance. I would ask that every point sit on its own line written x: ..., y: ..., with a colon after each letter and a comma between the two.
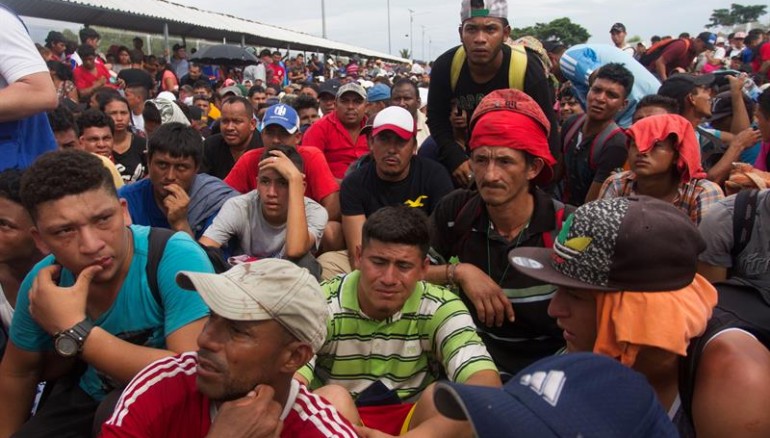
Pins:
x: 135, y: 316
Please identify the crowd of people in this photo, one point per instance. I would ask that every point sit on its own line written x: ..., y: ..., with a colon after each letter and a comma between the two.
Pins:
x: 518, y: 239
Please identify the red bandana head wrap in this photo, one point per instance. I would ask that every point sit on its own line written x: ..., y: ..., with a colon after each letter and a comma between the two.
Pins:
x: 510, y: 118
x: 650, y: 130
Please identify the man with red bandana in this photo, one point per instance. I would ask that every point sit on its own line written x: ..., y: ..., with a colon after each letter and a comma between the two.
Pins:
x: 474, y: 231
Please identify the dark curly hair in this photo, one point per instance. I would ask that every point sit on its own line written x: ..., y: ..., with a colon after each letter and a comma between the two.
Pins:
x: 616, y: 72
x: 10, y: 182
x: 94, y: 118
x: 57, y: 174
x: 303, y: 101
x: 62, y: 119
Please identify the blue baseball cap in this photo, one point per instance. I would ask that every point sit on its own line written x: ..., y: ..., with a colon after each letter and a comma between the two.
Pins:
x: 708, y: 38
x: 576, y: 394
x: 282, y: 115
x: 378, y: 93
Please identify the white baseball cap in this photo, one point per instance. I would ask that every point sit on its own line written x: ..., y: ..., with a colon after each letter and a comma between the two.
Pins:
x: 396, y: 119
x: 263, y: 290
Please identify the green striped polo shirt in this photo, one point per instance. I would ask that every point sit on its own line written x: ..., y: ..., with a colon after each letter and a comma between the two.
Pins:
x: 406, y: 352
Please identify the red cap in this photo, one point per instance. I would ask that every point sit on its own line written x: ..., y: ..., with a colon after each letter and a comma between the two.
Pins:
x: 510, y: 118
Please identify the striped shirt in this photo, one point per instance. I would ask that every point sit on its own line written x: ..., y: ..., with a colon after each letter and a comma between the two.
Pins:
x: 694, y: 197
x: 433, y: 332
x: 163, y: 401
x: 465, y: 231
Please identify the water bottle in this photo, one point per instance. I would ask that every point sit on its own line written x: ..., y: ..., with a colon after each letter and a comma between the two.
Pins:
x: 751, y: 89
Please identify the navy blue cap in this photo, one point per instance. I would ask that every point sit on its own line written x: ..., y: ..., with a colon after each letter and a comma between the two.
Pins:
x: 576, y: 394
x: 282, y: 115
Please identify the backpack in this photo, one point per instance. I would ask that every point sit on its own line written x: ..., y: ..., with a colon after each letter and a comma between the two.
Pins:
x: 744, y: 214
x: 471, y: 208
x: 158, y: 238
x: 575, y: 123
x: 517, y: 67
x: 655, y: 50
x: 741, y: 305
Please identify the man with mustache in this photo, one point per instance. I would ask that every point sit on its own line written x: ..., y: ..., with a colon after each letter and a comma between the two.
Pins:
x: 337, y: 134
x: 268, y: 318
x: 393, y: 175
x: 473, y: 231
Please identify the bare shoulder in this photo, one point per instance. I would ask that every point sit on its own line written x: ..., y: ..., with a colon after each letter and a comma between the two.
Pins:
x: 732, y: 388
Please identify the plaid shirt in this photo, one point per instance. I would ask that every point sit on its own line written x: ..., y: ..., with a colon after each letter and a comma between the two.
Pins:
x: 693, y: 198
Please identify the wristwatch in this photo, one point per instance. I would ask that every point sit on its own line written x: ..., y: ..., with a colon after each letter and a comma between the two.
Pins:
x: 69, y: 343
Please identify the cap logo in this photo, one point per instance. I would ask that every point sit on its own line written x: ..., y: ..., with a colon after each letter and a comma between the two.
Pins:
x: 526, y: 262
x: 547, y: 385
x: 479, y: 12
x: 280, y: 110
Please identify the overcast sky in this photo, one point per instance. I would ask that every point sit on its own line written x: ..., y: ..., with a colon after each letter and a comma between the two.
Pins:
x: 364, y: 22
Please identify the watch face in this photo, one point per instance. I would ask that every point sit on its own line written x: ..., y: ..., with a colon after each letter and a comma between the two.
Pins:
x: 66, y: 346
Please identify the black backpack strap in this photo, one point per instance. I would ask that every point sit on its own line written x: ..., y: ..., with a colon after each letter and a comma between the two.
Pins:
x: 600, y: 141
x: 744, y: 213
x: 463, y: 221
x: 571, y: 128
x: 158, y: 238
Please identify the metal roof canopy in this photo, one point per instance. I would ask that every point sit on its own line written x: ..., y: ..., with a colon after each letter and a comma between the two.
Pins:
x: 149, y: 16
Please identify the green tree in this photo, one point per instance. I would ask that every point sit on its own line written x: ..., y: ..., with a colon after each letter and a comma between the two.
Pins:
x: 737, y: 14
x: 561, y: 29
x: 405, y: 53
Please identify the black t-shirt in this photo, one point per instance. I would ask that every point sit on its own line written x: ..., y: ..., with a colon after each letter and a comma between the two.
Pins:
x: 131, y: 164
x: 136, y: 76
x: 363, y: 192
x: 579, y: 167
x: 187, y: 80
x: 533, y: 334
x: 217, y: 158
x: 469, y: 94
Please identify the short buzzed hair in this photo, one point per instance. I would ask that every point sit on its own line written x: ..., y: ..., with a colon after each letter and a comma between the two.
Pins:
x: 399, y: 225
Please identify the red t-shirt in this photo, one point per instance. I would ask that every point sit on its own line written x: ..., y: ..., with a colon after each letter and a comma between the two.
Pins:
x: 676, y: 54
x: 761, y: 58
x: 85, y: 79
x: 163, y: 401
x: 331, y: 137
x: 319, y: 180
x: 278, y: 74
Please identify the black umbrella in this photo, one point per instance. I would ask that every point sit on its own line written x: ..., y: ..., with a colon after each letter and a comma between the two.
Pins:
x: 225, y: 54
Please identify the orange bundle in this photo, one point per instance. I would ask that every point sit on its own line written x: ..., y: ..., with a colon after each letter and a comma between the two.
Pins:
x: 745, y: 176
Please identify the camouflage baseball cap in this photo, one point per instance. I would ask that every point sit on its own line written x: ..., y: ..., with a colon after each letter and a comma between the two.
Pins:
x: 638, y: 244
x: 483, y: 8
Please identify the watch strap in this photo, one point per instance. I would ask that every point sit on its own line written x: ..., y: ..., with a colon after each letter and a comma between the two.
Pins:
x: 79, y: 332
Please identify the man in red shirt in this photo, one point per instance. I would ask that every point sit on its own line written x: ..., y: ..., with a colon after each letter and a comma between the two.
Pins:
x: 679, y: 54
x: 279, y: 70
x: 268, y: 318
x: 90, y: 75
x: 337, y: 133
